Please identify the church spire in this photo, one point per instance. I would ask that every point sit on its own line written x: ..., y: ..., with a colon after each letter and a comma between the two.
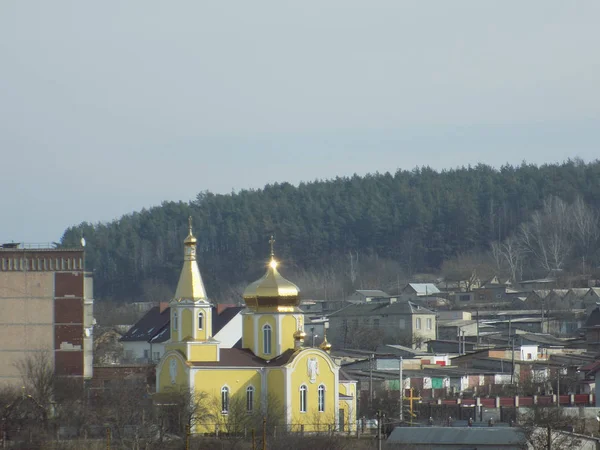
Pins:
x: 190, y: 286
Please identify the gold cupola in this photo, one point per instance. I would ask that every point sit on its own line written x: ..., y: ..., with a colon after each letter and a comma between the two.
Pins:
x: 272, y: 291
x: 190, y: 285
x: 325, y: 345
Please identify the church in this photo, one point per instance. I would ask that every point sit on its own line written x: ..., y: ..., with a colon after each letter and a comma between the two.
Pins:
x: 273, y: 366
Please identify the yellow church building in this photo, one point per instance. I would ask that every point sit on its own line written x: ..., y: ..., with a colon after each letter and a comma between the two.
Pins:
x: 272, y: 366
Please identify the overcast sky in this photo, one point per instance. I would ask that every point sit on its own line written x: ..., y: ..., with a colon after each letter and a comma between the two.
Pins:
x: 110, y: 106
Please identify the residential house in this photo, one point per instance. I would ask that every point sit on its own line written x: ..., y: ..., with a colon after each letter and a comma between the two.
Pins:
x: 413, y: 291
x: 592, y: 331
x: 400, y: 322
x: 575, y: 298
x: 145, y: 341
x: 538, y: 284
x: 591, y: 299
x: 536, y: 298
x: 366, y: 295
x: 556, y: 300
x: 451, y: 329
x: 492, y: 291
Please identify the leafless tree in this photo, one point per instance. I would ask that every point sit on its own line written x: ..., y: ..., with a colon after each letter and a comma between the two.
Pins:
x: 586, y: 228
x: 353, y: 257
x: 547, y: 235
x: 548, y: 424
x: 467, y: 269
x: 509, y: 254
x: 37, y: 376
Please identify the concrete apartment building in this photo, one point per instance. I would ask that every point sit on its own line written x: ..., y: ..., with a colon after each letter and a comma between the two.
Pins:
x: 399, y: 320
x: 46, y: 300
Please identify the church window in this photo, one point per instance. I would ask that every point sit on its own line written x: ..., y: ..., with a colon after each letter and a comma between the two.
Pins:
x: 321, y: 398
x: 224, y: 400
x: 249, y: 398
x: 418, y: 323
x: 303, y: 390
x: 200, y: 321
x: 175, y: 321
x: 267, y: 339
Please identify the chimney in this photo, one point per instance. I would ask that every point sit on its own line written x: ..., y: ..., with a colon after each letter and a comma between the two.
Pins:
x: 163, y: 306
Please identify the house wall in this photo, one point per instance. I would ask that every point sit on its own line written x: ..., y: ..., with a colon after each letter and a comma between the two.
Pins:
x: 135, y: 351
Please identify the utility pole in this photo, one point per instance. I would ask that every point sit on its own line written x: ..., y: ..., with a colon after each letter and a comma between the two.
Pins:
x: 512, y: 364
x: 379, y: 426
x: 558, y: 388
x: 371, y: 380
x: 477, y: 318
x: 401, y: 388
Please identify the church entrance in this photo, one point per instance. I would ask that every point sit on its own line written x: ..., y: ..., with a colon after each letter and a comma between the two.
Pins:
x: 341, y: 419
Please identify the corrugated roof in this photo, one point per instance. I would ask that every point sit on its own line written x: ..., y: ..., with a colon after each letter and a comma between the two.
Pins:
x: 424, y: 288
x: 397, y: 308
x: 485, y: 436
x: 372, y: 293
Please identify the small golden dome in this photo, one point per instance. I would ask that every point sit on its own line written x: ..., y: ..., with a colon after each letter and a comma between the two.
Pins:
x: 325, y: 345
x: 190, y: 239
x: 272, y: 290
x: 299, y: 335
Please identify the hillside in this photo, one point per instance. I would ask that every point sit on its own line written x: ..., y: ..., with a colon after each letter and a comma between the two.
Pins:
x: 418, y: 219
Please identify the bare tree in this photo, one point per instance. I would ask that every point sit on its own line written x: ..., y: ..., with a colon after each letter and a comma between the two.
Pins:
x: 586, y: 227
x: 545, y: 425
x: 509, y: 254
x: 37, y: 375
x: 353, y: 257
x: 467, y: 269
x: 547, y: 236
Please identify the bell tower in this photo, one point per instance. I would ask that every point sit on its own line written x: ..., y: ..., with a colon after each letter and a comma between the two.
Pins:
x: 191, y: 312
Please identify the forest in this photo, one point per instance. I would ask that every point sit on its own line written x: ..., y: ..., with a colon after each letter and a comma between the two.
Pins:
x: 373, y: 231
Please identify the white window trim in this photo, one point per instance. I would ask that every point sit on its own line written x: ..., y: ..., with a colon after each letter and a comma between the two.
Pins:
x: 223, y: 388
x: 269, y: 341
x: 303, y: 398
x: 201, y: 320
x: 320, y: 389
x: 250, y: 388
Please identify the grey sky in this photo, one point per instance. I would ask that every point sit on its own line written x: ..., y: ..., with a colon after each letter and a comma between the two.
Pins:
x: 110, y: 106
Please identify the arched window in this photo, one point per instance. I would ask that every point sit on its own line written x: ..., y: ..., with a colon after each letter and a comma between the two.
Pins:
x: 303, y: 390
x: 175, y: 320
x: 267, y: 339
x: 200, y: 320
x: 249, y: 398
x: 321, y: 398
x: 224, y: 400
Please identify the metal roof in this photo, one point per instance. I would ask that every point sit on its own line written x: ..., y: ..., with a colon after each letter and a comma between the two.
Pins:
x: 512, y: 438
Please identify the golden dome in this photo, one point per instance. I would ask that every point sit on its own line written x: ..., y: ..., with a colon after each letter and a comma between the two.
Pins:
x: 325, y: 345
x: 272, y: 290
x: 299, y: 335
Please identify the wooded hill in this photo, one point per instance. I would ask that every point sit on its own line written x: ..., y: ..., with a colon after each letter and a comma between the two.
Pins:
x: 417, y: 219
